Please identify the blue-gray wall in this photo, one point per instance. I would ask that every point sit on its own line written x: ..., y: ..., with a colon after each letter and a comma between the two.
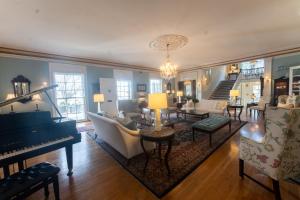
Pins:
x: 281, y: 65
x: 140, y: 78
x: 92, y: 75
x: 38, y: 72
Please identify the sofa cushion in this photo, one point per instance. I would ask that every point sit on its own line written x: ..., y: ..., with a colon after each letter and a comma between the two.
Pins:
x: 127, y: 122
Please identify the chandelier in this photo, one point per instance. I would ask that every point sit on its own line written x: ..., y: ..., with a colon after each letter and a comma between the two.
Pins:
x: 168, y: 70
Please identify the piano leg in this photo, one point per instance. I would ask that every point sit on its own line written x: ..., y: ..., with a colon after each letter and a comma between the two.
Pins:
x: 6, y: 171
x: 69, y: 152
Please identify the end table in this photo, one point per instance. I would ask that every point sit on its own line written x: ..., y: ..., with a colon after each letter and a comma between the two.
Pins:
x: 164, y: 135
x: 235, y: 107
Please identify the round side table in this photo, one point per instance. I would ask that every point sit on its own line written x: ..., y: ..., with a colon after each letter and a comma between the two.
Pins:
x: 235, y: 107
x: 164, y: 135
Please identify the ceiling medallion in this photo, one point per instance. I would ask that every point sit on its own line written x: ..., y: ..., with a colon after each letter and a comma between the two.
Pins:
x: 168, y: 42
x: 174, y: 41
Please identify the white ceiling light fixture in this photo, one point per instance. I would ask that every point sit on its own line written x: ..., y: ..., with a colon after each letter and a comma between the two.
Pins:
x: 169, y: 42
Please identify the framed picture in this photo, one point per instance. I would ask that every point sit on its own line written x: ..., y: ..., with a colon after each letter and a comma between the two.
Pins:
x: 141, y: 87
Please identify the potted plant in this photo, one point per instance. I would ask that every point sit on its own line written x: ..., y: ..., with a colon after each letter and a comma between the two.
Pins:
x: 195, y: 100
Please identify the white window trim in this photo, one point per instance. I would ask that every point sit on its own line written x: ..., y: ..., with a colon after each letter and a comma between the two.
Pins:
x: 67, y: 68
x: 130, y: 88
x: 156, y: 79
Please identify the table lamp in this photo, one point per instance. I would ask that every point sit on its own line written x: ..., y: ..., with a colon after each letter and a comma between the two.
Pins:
x: 8, y: 97
x: 157, y: 101
x: 235, y: 94
x: 179, y: 94
x: 36, y: 98
x: 99, y: 98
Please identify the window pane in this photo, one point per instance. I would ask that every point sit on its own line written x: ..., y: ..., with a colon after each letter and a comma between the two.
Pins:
x: 70, y: 95
x: 59, y: 78
x: 69, y: 78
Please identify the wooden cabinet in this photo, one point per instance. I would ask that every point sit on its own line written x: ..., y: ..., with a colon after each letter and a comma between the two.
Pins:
x: 281, y: 87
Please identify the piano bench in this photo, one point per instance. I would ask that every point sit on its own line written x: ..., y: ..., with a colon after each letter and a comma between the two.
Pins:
x: 25, y: 182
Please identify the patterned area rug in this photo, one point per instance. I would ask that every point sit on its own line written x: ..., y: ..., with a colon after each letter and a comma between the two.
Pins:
x: 185, y: 157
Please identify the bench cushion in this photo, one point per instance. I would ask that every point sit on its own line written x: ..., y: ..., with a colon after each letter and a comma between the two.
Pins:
x: 211, y: 123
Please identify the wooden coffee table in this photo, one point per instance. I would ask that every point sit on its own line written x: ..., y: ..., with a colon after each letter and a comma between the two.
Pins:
x: 192, y: 112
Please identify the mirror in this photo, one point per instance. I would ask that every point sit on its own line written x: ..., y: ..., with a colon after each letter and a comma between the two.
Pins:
x: 21, y: 86
x: 188, y: 87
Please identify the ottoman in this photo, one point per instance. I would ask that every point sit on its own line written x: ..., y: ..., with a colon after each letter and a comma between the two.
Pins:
x: 210, y: 125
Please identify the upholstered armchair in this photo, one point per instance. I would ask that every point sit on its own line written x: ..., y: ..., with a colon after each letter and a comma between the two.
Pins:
x: 260, y: 108
x: 285, y: 101
x: 278, y: 154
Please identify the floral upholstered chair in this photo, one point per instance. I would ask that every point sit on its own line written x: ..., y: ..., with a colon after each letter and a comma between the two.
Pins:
x: 278, y: 155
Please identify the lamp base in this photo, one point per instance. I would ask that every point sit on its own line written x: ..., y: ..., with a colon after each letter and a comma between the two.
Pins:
x: 99, y: 108
x: 157, y: 120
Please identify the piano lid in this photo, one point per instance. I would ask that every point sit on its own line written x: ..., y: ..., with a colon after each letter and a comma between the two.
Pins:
x: 10, y: 101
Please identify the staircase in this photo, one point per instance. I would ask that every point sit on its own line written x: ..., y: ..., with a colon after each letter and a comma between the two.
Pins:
x: 222, y: 90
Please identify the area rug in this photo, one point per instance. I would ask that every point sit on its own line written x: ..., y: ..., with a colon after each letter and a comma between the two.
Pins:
x: 184, y: 158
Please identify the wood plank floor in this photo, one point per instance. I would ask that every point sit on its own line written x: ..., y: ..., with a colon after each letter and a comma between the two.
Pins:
x: 98, y: 176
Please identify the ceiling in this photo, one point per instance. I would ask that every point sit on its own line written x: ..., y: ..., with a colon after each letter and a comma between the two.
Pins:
x: 120, y: 30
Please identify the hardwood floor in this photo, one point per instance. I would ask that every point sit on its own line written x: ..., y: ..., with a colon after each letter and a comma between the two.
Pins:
x: 98, y: 176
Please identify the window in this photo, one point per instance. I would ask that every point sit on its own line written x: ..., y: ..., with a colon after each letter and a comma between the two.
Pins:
x: 253, y: 69
x: 124, y: 90
x: 70, y: 95
x: 155, y: 86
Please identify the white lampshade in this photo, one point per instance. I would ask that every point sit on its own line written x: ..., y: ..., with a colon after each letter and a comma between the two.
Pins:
x: 36, y: 97
x: 10, y: 96
x: 98, y: 98
x: 157, y: 101
x: 179, y: 93
x: 234, y: 93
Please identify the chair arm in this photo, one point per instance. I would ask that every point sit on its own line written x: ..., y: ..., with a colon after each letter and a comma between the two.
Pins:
x: 128, y: 131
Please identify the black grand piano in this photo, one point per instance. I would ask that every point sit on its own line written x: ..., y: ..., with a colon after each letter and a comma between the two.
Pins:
x: 29, y: 134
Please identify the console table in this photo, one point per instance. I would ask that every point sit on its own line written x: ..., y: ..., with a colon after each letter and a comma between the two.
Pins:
x: 164, y: 135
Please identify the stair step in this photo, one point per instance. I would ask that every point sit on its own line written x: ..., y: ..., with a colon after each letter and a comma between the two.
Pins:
x: 222, y: 90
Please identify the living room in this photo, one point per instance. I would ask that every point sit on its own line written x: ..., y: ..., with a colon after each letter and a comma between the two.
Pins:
x: 115, y: 100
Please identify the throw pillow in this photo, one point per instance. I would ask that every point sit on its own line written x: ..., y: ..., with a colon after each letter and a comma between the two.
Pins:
x: 127, y: 122
x: 291, y: 100
x: 220, y: 105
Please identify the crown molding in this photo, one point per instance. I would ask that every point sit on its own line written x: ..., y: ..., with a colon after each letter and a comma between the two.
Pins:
x: 56, y: 57
x: 243, y: 59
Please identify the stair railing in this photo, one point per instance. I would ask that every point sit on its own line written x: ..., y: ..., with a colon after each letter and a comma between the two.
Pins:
x: 237, y: 82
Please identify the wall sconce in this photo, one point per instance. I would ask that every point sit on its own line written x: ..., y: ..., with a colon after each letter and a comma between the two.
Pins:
x: 267, y: 79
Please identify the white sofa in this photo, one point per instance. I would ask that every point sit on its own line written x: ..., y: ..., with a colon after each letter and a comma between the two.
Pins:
x: 211, y: 106
x: 125, y: 141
